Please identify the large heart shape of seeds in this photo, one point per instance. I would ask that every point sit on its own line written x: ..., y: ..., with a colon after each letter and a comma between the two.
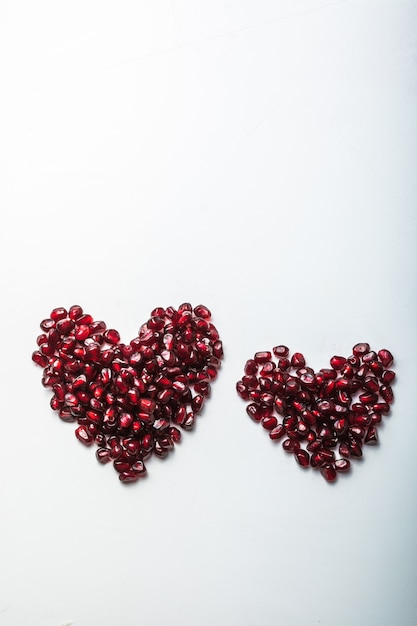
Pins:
x: 325, y: 417
x: 129, y: 399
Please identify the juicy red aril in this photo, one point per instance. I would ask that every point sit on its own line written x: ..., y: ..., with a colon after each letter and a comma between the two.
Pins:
x: 360, y: 349
x: 277, y: 432
x: 83, y: 435
x: 328, y: 472
x: 59, y: 314
x: 302, y: 457
x: 39, y: 358
x: 337, y: 408
x: 385, y: 357
x: 337, y: 362
x: 387, y: 393
x: 387, y: 377
x: 112, y: 336
x: 342, y: 465
x: 291, y: 445
x: 202, y: 311
x: 262, y: 357
x: 65, y: 326
x: 103, y: 455
x: 281, y: 351
x: 126, y: 397
x: 82, y: 332
x: 269, y: 423
x: 297, y: 360
x: 371, y: 437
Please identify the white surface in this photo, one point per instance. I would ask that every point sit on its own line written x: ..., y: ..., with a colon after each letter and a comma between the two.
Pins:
x: 258, y: 157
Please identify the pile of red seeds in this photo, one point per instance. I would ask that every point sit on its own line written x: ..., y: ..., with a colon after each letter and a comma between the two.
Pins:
x: 129, y: 399
x: 320, y: 414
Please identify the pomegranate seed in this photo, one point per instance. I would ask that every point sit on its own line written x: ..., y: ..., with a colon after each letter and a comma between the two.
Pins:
x: 277, y: 432
x: 39, y: 358
x: 298, y: 360
x: 262, y: 357
x: 342, y: 465
x: 202, y: 311
x: 387, y: 393
x: 338, y: 362
x: 112, y: 336
x: 65, y: 326
x: 302, y: 457
x: 83, y: 435
x: 328, y: 471
x: 75, y: 312
x: 251, y: 367
x: 316, y: 459
x: 47, y: 324
x: 103, y: 455
x: 82, y: 332
x: 253, y: 410
x: 385, y: 357
x: 387, y: 377
x: 360, y: 349
x: 371, y: 437
x: 269, y: 423
x: 281, y: 351
x: 128, y: 477
x: 291, y: 445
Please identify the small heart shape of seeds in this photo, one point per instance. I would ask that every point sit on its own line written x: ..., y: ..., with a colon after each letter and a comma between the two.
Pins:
x: 129, y: 399
x: 324, y: 417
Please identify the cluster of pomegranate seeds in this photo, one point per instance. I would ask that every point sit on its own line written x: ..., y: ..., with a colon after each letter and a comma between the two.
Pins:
x: 320, y: 415
x: 129, y: 399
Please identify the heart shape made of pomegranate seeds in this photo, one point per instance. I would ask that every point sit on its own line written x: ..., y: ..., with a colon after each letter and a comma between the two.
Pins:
x: 129, y: 399
x: 335, y: 408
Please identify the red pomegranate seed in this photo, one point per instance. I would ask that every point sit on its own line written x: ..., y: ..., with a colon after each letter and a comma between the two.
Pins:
x: 342, y: 465
x: 360, y: 349
x: 269, y: 423
x: 83, y: 435
x: 381, y: 407
x: 103, y: 455
x: 39, y: 358
x: 65, y: 326
x: 253, y: 410
x: 281, y: 351
x: 385, y: 357
x: 262, y: 357
x: 47, y: 324
x: 328, y: 471
x: 291, y: 445
x: 316, y: 459
x: 75, y: 312
x: 202, y: 311
x: 329, y: 374
x: 251, y: 367
x: 82, y: 332
x: 59, y: 314
x: 387, y: 377
x: 112, y: 336
x: 128, y: 477
x: 387, y: 393
x: 277, y: 432
x: 371, y: 437
x: 298, y: 360
x: 338, y: 362
x: 302, y: 457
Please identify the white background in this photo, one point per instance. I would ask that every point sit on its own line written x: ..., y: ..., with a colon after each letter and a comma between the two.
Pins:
x: 256, y: 156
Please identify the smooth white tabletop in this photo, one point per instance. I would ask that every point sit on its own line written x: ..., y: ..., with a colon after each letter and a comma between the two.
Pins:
x: 260, y: 158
